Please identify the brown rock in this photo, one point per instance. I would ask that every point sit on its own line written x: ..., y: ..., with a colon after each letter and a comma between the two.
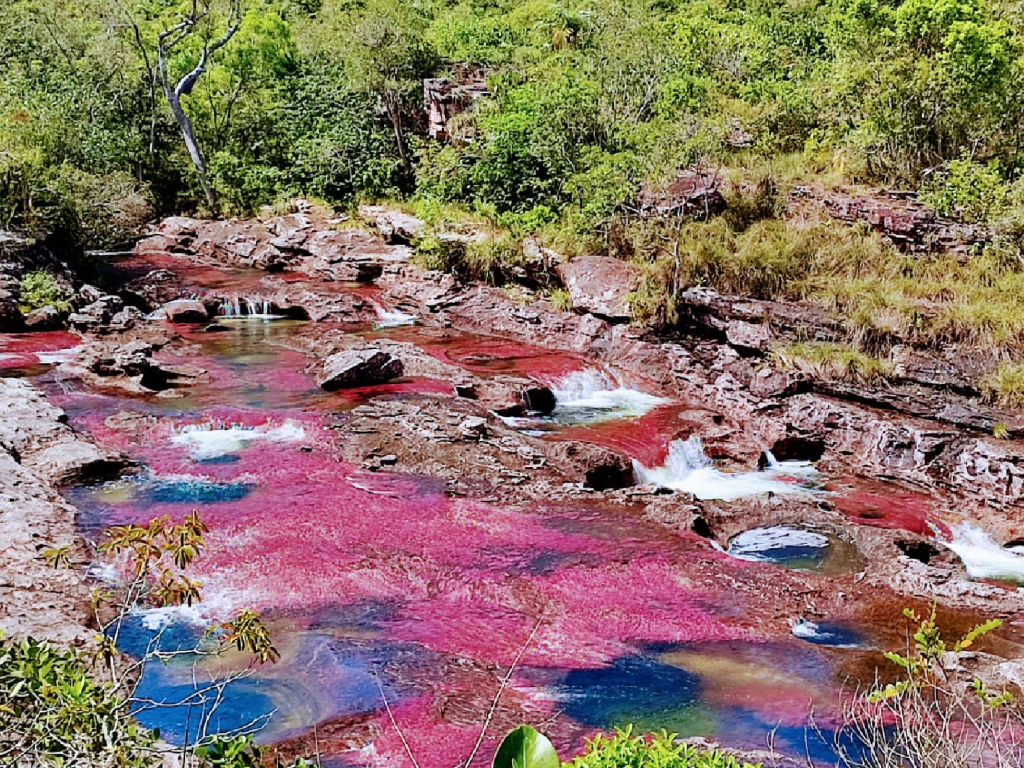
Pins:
x: 598, y: 467
x: 693, y: 194
x: 358, y: 368
x: 600, y: 285
x: 186, y: 311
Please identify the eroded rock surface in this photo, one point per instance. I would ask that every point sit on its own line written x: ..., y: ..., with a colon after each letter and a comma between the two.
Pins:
x: 38, y: 453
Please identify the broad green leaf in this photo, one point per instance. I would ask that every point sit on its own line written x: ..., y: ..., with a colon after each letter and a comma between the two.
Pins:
x: 526, y: 747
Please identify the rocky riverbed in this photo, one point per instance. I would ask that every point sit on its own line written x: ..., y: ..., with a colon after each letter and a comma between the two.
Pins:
x: 407, y: 472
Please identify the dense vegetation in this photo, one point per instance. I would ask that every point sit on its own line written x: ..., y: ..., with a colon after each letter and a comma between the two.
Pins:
x: 324, y: 98
x: 587, y: 99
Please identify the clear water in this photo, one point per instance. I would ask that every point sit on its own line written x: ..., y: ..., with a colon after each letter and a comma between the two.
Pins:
x: 381, y: 579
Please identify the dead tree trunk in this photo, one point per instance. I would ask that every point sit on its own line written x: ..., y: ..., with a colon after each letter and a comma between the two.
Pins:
x: 167, y: 41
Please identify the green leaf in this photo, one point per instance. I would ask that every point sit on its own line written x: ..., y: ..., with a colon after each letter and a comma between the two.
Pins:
x: 526, y: 747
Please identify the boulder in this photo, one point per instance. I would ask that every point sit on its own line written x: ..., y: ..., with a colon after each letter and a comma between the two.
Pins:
x: 600, y: 285
x: 96, y: 315
x: 186, y: 311
x: 43, y: 319
x: 152, y: 289
x: 359, y: 368
x: 596, y: 466
x: 693, y: 194
x: 395, y: 227
x: 752, y: 337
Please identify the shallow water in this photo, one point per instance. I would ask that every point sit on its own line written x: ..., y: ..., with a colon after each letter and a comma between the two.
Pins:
x: 371, y: 578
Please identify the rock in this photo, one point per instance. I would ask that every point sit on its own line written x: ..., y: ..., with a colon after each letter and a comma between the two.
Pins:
x: 600, y: 285
x: 693, y: 194
x: 152, y: 290
x: 126, y: 319
x: 186, y: 311
x: 753, y: 337
x: 43, y: 319
x: 358, y: 368
x: 539, y: 399
x: 388, y: 460
x: 399, y: 228
x: 216, y: 328
x: 466, y: 390
x: 899, y: 216
x: 10, y: 316
x: 96, y: 315
x: 473, y: 428
x: 920, y: 368
x: 599, y: 468
x: 90, y: 293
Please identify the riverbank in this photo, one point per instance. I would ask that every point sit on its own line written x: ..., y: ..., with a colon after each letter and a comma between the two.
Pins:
x: 405, y: 471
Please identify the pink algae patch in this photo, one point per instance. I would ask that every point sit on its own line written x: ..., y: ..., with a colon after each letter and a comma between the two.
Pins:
x: 874, y: 503
x: 21, y: 350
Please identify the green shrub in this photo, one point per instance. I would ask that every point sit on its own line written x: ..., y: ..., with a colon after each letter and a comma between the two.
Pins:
x: 658, y: 750
x: 56, y: 714
x: 968, y: 190
x: 1005, y: 385
x: 40, y: 289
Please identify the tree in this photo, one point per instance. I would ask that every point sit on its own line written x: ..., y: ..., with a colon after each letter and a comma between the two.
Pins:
x: 388, y: 57
x: 167, y: 42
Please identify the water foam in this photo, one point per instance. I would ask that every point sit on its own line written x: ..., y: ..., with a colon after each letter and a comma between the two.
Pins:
x: 388, y: 319
x: 984, y: 558
x: 207, y: 441
x: 597, y: 395
x: 687, y: 469
x: 58, y: 356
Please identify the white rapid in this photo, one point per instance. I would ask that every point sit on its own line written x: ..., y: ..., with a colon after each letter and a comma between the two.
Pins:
x: 389, y: 319
x: 687, y: 469
x: 596, y: 395
x: 984, y: 558
x: 210, y: 442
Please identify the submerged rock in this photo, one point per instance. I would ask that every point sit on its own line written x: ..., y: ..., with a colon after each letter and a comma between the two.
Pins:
x: 359, y: 368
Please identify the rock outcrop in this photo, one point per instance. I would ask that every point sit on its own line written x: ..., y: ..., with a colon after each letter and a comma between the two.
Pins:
x: 600, y: 285
x: 692, y: 194
x: 38, y: 453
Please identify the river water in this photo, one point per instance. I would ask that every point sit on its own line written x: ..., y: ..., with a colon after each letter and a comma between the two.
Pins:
x: 378, y: 586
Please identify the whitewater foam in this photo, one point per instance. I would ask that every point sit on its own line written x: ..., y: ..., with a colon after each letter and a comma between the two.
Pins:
x: 687, y: 469
x: 597, y: 395
x: 58, y: 356
x: 389, y: 319
x: 984, y: 558
x: 208, y: 442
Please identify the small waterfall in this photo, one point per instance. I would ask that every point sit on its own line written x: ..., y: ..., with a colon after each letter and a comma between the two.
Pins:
x: 984, y: 558
x: 389, y: 319
x: 598, y: 395
x: 689, y: 470
x: 237, y: 306
x: 215, y: 439
x: 250, y: 307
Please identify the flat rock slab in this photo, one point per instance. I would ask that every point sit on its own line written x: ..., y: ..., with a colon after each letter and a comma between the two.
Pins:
x: 359, y: 368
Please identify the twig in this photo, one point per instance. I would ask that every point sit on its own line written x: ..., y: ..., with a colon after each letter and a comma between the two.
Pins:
x: 408, y: 749
x: 501, y: 689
